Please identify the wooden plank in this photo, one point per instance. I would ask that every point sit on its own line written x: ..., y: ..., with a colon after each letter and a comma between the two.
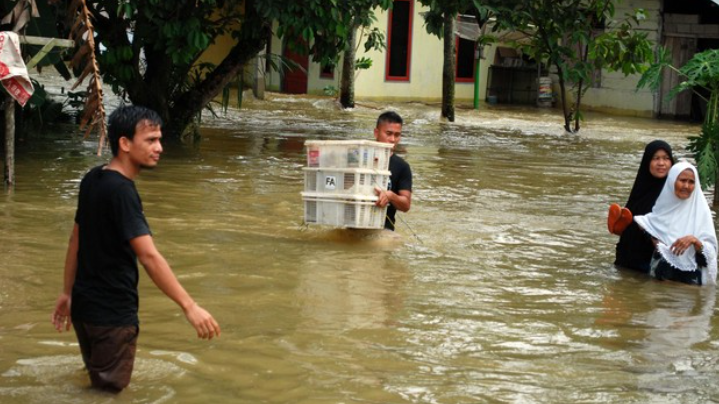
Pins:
x: 682, y: 49
x: 707, y: 35
x: 40, y: 54
x: 38, y: 40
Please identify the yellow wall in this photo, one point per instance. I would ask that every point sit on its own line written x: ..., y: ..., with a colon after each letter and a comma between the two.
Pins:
x: 216, y: 52
x: 425, y: 78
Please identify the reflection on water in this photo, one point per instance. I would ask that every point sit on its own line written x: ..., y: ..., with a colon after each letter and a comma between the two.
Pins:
x: 497, y: 287
x: 671, y: 336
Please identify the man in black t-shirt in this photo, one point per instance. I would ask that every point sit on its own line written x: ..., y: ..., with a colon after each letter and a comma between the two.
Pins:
x: 399, y: 192
x: 110, y: 234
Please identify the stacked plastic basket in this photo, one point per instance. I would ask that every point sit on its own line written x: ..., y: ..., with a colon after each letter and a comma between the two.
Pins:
x: 340, y: 179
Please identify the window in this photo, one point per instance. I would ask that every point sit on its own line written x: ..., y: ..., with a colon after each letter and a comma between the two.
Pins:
x: 399, y: 41
x: 327, y: 72
x: 465, y: 60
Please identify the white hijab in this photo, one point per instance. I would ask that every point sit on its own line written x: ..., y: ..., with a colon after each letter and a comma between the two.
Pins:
x: 673, y: 218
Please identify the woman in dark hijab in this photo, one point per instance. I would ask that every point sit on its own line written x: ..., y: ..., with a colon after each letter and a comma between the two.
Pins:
x: 635, y: 247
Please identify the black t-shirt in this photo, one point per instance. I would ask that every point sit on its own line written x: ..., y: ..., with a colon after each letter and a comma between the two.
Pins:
x: 400, y: 179
x: 109, y: 214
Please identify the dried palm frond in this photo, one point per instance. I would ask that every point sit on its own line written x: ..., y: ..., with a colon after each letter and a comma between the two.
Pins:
x: 19, y: 16
x: 83, y: 33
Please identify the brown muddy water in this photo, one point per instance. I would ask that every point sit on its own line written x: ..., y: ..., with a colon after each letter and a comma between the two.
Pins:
x: 499, y: 289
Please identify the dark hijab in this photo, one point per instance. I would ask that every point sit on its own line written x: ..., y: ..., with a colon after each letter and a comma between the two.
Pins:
x: 635, y: 247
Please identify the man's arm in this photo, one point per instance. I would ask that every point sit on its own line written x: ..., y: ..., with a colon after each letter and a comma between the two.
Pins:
x: 61, y: 315
x: 162, y: 275
x: 401, y: 201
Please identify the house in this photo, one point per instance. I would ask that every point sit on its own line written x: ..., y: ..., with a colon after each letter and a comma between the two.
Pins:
x: 410, y: 69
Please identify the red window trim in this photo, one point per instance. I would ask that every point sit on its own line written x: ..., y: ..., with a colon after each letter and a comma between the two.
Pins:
x: 456, y: 65
x: 409, y: 44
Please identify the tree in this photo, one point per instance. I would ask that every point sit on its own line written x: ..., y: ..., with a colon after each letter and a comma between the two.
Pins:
x: 360, y: 14
x: 148, y: 50
x: 576, y: 38
x: 700, y: 72
x: 440, y: 21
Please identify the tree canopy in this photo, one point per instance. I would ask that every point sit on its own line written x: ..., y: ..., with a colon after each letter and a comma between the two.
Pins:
x: 701, y: 76
x: 575, y: 38
x: 149, y: 50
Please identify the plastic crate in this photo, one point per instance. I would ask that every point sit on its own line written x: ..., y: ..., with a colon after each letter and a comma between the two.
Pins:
x: 343, y: 212
x: 345, y: 181
x: 348, y: 154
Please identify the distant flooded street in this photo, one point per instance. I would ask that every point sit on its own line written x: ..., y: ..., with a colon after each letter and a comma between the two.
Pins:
x: 501, y: 288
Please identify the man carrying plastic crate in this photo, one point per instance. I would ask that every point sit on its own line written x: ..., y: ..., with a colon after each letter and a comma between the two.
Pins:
x: 399, y: 192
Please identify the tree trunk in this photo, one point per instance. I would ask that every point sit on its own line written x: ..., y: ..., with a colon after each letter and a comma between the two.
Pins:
x: 152, y: 90
x: 347, y: 85
x: 191, y: 103
x: 584, y: 54
x: 253, y: 38
x: 563, y: 93
x: 577, y: 104
x: 449, y: 68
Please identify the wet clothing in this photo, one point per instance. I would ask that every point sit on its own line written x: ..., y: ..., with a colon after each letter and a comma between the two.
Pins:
x: 108, y: 354
x: 673, y: 218
x: 635, y: 248
x: 400, y: 179
x: 663, y: 271
x: 109, y: 215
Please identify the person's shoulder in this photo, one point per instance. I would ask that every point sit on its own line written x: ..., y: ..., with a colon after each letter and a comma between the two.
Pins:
x: 108, y: 181
x: 93, y: 171
x: 92, y: 175
x: 398, y: 161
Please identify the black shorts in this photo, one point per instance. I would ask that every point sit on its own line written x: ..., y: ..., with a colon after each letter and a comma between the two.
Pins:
x: 662, y: 270
x: 108, y: 353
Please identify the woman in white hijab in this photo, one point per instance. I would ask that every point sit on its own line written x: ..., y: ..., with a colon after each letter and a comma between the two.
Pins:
x: 683, y: 229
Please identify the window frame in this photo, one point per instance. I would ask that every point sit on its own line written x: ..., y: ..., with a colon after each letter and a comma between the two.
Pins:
x: 410, y: 23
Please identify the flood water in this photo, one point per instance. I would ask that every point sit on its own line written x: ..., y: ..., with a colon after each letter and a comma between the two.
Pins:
x: 499, y: 289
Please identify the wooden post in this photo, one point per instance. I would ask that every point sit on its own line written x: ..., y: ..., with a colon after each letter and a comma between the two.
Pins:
x: 9, y: 142
x: 8, y: 103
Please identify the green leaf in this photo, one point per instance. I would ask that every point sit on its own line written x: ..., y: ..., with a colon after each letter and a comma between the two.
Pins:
x: 363, y: 63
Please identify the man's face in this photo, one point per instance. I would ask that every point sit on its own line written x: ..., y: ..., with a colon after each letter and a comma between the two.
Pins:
x: 684, y: 186
x: 388, y: 132
x: 145, y: 147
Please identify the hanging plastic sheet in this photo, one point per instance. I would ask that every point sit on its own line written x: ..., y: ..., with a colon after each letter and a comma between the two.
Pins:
x: 13, y: 73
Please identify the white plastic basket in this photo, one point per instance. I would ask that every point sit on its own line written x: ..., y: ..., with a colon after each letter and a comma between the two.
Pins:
x: 343, y: 212
x: 345, y: 181
x: 348, y: 154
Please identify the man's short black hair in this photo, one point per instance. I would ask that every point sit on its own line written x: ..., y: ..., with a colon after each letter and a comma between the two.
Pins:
x: 389, y: 117
x: 124, y: 120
